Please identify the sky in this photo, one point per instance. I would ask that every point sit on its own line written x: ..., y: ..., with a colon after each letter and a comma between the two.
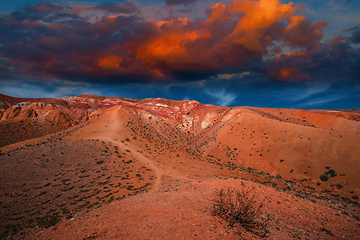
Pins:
x: 260, y: 53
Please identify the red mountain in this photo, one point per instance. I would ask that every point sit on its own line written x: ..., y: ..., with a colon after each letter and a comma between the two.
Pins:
x: 76, y: 153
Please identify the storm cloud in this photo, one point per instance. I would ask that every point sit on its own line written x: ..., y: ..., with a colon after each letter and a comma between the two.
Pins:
x: 52, y: 41
x: 180, y: 2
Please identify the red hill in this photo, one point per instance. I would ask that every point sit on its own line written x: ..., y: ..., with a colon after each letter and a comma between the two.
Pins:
x: 158, y: 162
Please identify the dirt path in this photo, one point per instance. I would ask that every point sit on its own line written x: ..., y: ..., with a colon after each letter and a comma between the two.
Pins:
x: 112, y: 133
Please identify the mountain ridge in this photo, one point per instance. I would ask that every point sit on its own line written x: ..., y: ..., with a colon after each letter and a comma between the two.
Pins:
x: 312, y: 155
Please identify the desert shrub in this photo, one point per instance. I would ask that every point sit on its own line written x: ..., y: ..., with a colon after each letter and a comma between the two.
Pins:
x: 338, y: 186
x: 130, y: 187
x: 327, y: 231
x: 48, y: 221
x: 240, y: 209
x: 331, y: 172
x: 324, y: 178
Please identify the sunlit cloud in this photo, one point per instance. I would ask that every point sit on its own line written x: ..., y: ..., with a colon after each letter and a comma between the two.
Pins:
x: 59, y: 42
x: 177, y: 49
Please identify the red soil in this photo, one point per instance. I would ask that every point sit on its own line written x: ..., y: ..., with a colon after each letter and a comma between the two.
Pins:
x: 167, y: 157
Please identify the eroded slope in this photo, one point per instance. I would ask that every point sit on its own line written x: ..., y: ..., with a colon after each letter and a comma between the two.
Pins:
x: 177, y: 151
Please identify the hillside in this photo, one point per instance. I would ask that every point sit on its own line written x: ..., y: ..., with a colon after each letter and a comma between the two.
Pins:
x: 107, y: 167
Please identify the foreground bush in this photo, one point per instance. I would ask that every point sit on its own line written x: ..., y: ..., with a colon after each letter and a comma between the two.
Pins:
x: 240, y: 209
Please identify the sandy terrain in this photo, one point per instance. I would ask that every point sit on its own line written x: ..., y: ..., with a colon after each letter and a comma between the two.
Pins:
x: 147, y: 169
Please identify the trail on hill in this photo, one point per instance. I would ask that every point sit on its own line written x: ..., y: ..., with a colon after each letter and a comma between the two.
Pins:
x: 179, y: 150
x: 112, y: 133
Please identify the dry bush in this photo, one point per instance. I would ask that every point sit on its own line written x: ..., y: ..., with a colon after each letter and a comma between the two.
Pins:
x: 240, y: 208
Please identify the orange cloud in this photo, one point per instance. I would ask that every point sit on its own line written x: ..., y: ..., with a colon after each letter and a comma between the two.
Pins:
x: 260, y: 14
x: 157, y: 73
x: 287, y: 73
x: 109, y: 62
x: 218, y: 14
x: 291, y: 73
x: 285, y: 67
x: 241, y: 34
x: 171, y: 47
x: 180, y: 43
x: 252, y: 19
x: 56, y: 26
x: 301, y: 32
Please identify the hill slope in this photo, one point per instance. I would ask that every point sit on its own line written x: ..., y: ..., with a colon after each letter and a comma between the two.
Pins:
x: 178, y: 152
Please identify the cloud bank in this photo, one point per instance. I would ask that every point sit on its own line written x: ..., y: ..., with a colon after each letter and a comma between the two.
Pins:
x: 180, y: 2
x: 266, y: 37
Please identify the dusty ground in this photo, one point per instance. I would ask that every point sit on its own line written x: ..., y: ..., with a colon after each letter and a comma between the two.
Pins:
x: 148, y: 169
x: 182, y: 210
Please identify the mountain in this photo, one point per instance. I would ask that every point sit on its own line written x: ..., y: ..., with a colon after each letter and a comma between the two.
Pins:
x: 77, y: 153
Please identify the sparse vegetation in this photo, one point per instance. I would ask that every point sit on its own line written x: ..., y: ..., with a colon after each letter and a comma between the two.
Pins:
x: 331, y: 172
x: 130, y: 187
x: 324, y: 178
x: 240, y: 209
x: 105, y: 173
x: 327, y: 231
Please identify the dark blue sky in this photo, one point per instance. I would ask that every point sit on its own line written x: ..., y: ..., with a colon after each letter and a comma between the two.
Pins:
x: 265, y: 53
